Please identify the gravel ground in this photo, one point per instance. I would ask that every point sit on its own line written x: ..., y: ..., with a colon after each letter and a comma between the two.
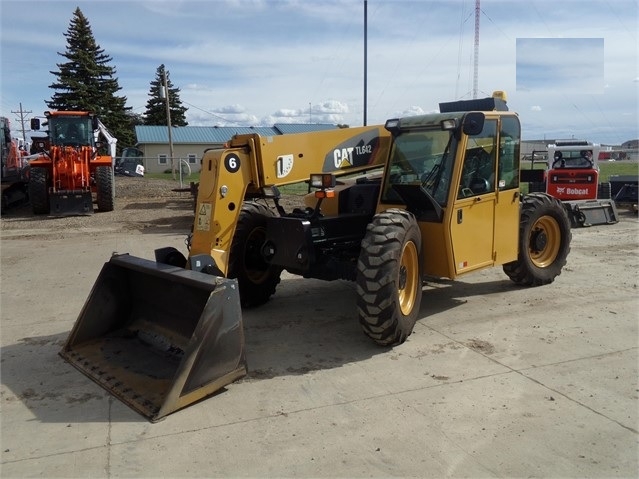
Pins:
x: 141, y: 204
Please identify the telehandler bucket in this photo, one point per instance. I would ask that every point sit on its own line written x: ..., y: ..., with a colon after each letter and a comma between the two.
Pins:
x: 158, y: 337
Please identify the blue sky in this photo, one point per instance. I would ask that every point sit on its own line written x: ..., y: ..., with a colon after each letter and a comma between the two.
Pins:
x: 260, y: 62
x: 560, y: 65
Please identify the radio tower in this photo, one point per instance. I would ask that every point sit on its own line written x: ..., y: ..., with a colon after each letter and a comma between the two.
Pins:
x: 476, y: 65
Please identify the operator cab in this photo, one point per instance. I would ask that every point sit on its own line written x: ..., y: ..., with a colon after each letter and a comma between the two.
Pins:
x: 71, y: 131
x: 457, y: 171
x: 573, y: 158
x: 68, y: 128
x: 422, y: 167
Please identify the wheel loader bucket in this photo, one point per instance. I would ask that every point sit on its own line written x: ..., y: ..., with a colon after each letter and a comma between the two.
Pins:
x: 158, y: 337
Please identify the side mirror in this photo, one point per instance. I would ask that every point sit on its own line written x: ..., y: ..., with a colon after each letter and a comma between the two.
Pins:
x: 473, y: 123
x: 35, y: 123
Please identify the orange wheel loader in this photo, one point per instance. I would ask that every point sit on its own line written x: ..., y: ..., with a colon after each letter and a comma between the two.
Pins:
x: 65, y: 177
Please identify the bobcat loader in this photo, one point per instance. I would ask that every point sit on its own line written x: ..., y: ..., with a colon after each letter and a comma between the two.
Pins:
x: 572, y: 176
x: 436, y: 195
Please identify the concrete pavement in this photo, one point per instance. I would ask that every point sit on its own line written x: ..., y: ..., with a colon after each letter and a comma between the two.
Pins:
x: 496, y: 381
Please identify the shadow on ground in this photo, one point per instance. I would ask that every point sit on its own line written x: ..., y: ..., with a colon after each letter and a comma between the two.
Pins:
x: 308, y: 325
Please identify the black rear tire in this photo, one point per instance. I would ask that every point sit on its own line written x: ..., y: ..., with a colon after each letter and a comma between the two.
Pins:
x: 104, y: 188
x: 544, y: 241
x: 39, y: 190
x: 256, y: 279
x: 537, y: 186
x: 604, y: 191
x: 389, y: 283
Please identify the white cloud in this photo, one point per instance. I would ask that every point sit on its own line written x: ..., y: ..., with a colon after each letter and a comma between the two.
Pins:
x: 284, y: 113
x: 411, y: 111
x: 264, y: 61
x: 231, y: 109
x: 330, y: 106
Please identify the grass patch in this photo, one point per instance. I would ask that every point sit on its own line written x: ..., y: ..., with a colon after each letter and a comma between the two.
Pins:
x: 606, y: 168
x: 539, y: 165
x: 294, y: 189
x: 612, y: 168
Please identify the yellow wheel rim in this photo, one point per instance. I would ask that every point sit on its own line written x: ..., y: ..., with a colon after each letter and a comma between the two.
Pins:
x: 408, y: 283
x: 544, y: 241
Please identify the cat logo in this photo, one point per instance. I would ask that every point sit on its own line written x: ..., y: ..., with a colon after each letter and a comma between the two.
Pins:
x: 343, y: 157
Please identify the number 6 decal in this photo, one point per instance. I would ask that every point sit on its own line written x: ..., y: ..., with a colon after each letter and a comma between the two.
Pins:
x: 232, y: 163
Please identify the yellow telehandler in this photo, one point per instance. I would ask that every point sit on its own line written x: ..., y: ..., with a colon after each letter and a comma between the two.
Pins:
x: 434, y: 195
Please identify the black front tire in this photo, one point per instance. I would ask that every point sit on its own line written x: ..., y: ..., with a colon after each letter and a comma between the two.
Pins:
x: 544, y: 241
x: 104, y: 188
x: 389, y: 283
x: 256, y: 278
x: 39, y: 190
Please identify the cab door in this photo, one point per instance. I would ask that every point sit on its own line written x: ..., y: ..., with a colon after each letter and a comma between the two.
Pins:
x: 472, y: 222
x: 471, y: 230
x: 507, y: 206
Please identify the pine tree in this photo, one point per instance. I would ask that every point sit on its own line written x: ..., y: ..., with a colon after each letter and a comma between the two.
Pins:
x: 156, y: 105
x: 87, y: 82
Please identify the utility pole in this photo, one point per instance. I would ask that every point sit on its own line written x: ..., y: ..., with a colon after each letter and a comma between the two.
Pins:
x: 365, y: 56
x: 168, y: 121
x: 22, y: 113
x: 476, y: 69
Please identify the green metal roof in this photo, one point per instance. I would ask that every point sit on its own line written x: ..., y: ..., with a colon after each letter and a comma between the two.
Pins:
x: 217, y: 134
x: 286, y: 128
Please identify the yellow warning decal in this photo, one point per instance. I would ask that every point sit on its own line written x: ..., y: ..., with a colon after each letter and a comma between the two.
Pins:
x: 203, y: 222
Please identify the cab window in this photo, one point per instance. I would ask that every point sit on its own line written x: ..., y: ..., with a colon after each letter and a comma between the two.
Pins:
x: 509, y: 143
x: 478, y: 172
